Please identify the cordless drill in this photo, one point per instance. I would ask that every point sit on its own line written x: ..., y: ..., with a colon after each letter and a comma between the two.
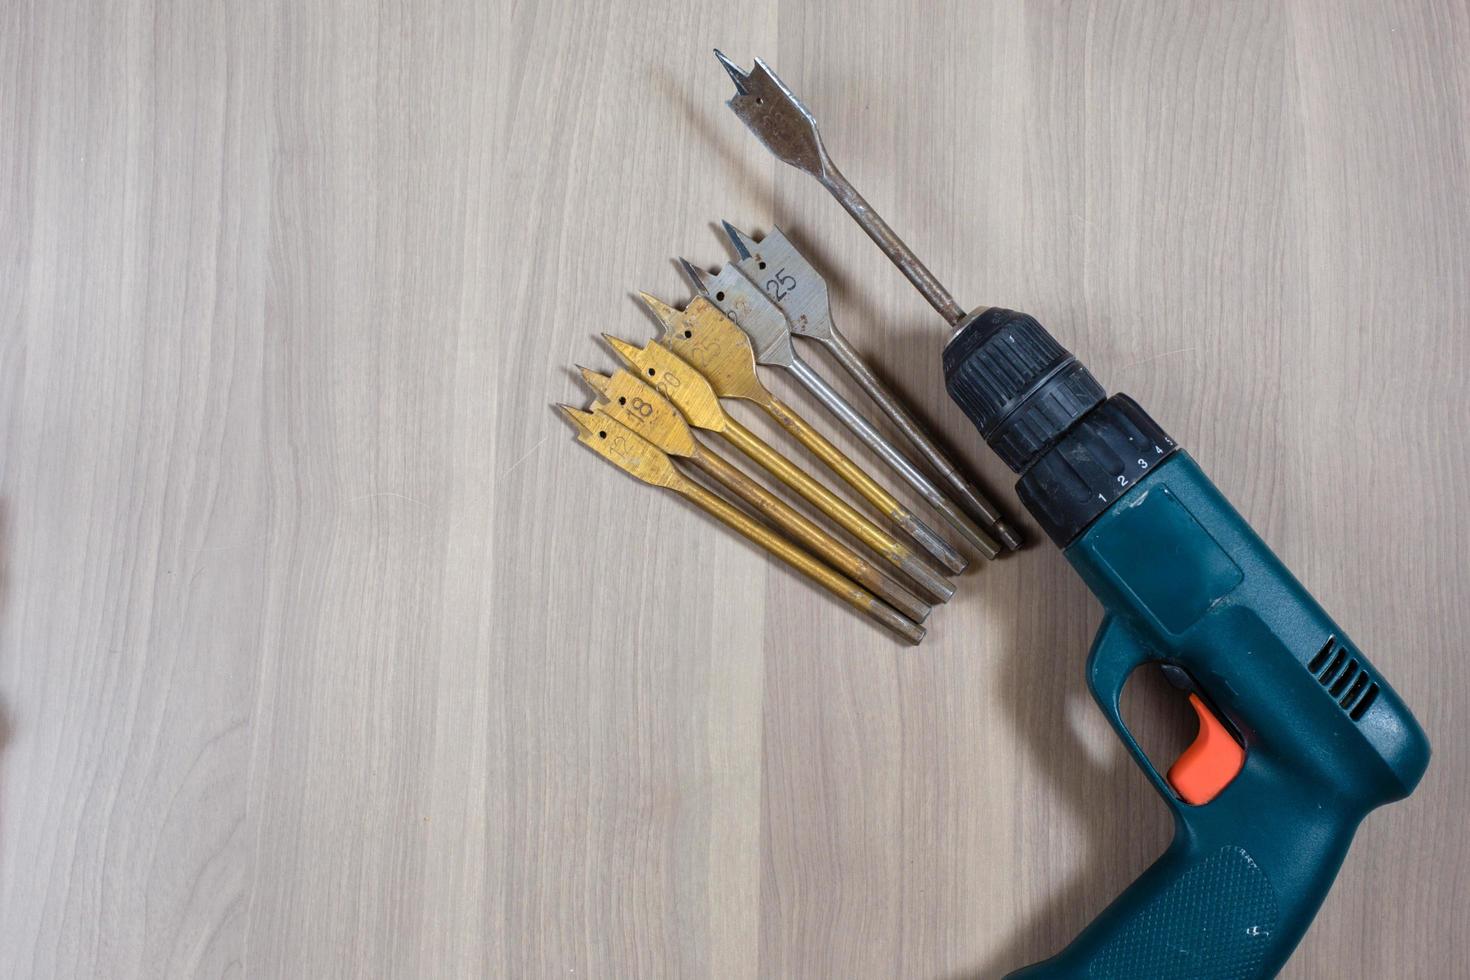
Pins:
x: 1299, y: 735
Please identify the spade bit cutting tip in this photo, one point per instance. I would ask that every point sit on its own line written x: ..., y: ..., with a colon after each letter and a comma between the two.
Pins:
x: 794, y: 286
x: 736, y: 75
x: 770, y: 332
x: 666, y: 314
x: 738, y: 239
x: 641, y: 408
x: 694, y: 274
x: 772, y: 112
x: 691, y: 393
x: 633, y: 454
x: 623, y: 349
x: 597, y: 382
x: 787, y: 128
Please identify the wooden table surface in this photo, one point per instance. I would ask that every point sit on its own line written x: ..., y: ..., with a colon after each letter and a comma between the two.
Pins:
x: 327, y: 651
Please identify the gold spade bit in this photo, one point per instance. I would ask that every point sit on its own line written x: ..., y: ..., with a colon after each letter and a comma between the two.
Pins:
x: 672, y: 376
x: 646, y: 412
x: 717, y: 347
x: 636, y: 456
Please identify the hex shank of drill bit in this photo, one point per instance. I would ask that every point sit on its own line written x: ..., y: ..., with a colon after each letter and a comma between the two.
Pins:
x: 808, y: 534
x: 842, y: 464
x: 969, y: 497
x: 823, y: 449
x: 857, y: 478
x: 870, y: 436
x: 843, y: 588
x: 924, y: 575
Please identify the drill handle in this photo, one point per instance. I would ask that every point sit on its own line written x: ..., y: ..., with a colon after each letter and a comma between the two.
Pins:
x: 1238, y: 886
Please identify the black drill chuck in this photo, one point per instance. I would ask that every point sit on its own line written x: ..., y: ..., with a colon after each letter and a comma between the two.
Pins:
x: 1019, y: 386
x: 1046, y: 416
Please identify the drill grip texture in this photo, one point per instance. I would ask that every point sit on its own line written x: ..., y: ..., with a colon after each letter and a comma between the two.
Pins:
x: 1238, y: 886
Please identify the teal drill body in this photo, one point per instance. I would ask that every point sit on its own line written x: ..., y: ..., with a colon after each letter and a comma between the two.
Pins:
x: 1300, y: 736
x: 1186, y: 584
x: 1185, y: 581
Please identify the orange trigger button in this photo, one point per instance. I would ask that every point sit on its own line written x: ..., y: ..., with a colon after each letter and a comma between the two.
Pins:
x: 1210, y: 762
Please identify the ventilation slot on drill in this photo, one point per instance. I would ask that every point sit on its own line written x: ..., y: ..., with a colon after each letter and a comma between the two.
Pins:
x: 1321, y: 657
x: 1330, y: 674
x: 1344, y: 678
x: 1362, y: 707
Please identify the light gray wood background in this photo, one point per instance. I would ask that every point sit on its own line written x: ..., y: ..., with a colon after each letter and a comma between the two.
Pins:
x: 327, y: 651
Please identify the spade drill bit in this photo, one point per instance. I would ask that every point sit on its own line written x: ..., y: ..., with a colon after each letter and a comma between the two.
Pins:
x: 790, y: 281
x: 721, y: 351
x: 646, y: 412
x: 770, y: 334
x: 633, y: 454
x: 681, y: 384
x: 784, y: 126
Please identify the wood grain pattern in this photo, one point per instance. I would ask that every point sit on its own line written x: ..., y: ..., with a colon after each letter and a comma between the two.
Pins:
x: 325, y: 650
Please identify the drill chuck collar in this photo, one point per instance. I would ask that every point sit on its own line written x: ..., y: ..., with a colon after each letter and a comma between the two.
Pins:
x: 1044, y: 414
